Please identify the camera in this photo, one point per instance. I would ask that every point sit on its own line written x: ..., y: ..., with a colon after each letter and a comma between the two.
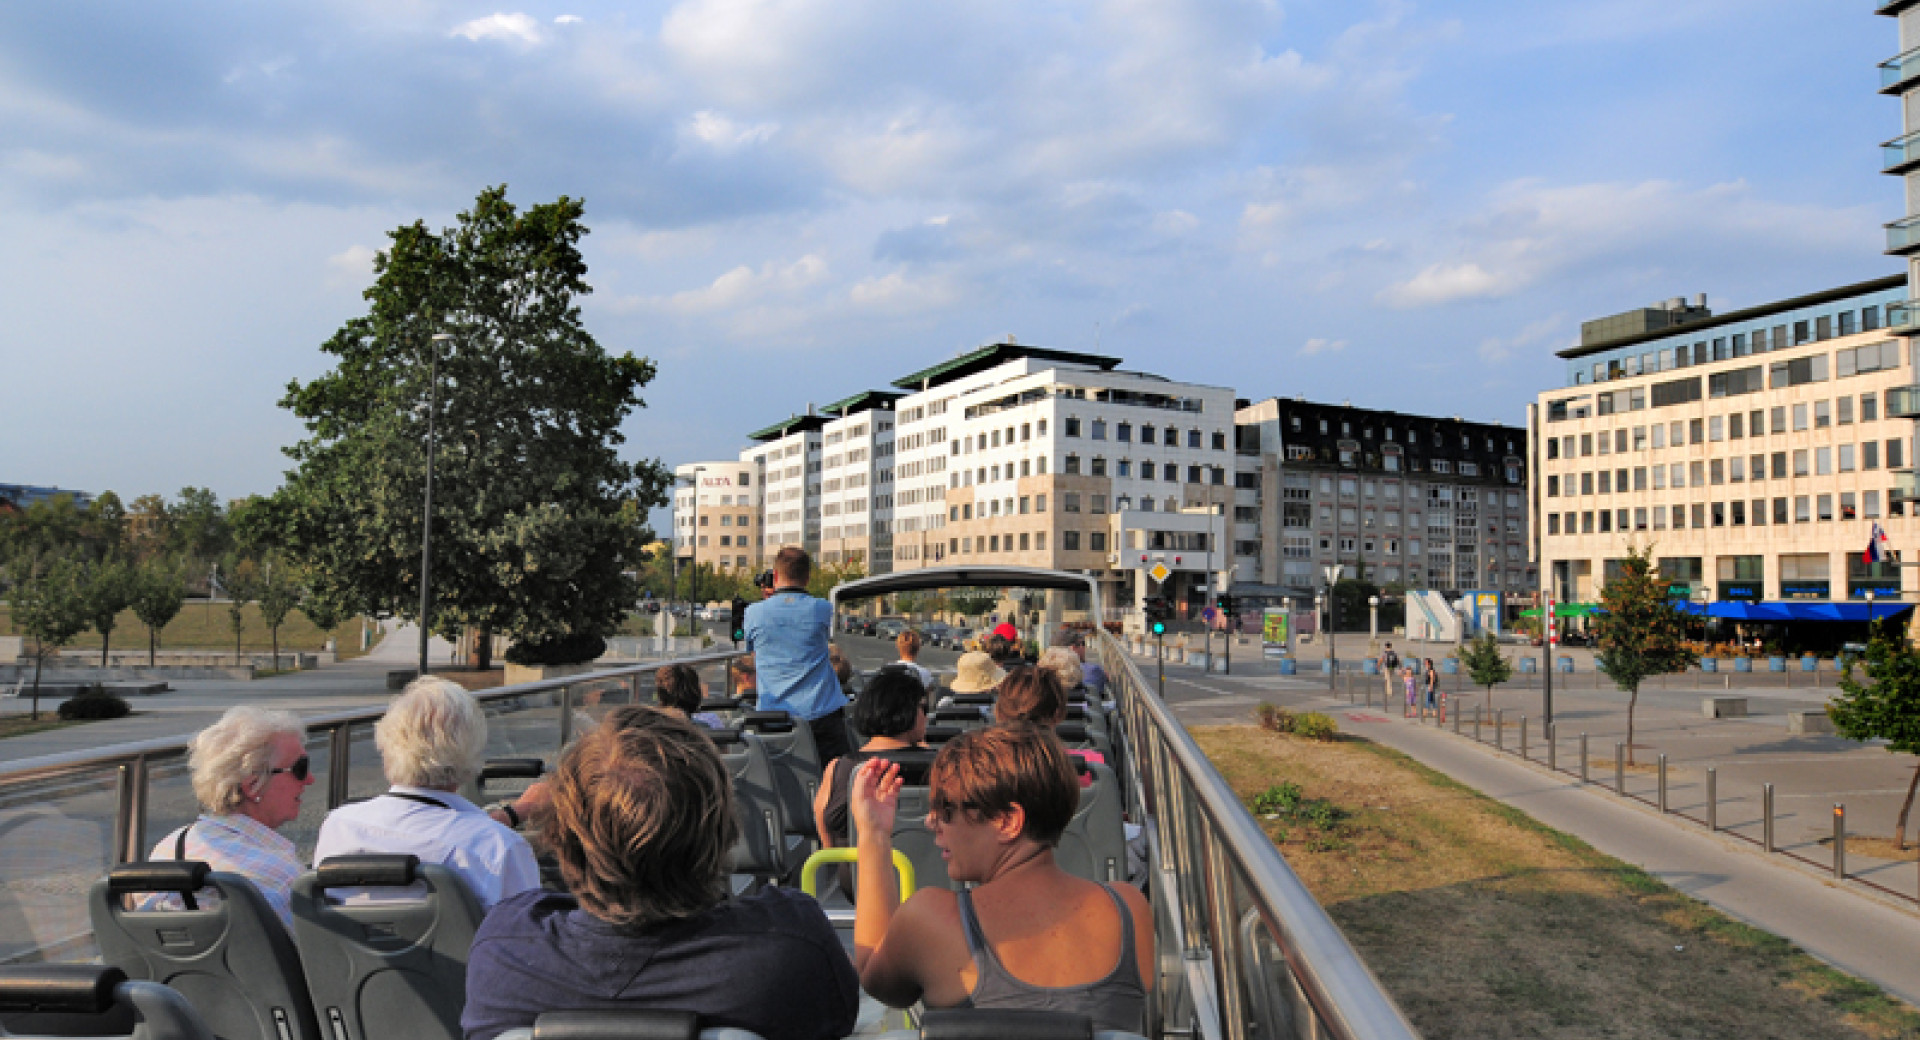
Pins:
x: 765, y: 581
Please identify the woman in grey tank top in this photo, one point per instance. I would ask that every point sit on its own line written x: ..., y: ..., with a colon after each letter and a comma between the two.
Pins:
x: 1028, y: 935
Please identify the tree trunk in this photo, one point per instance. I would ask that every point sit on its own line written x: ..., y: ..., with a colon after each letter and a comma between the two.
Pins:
x: 106, y: 641
x: 275, y: 633
x: 484, y: 647
x: 1900, y: 828
x: 153, y: 644
x: 1633, y: 698
x: 39, y: 659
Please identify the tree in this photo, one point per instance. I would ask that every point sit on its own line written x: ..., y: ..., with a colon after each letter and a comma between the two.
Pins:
x: 51, y: 607
x: 278, y: 594
x: 105, y: 526
x: 1485, y: 664
x: 240, y: 580
x: 1888, y: 709
x: 149, y: 527
x: 324, y: 608
x: 159, y: 591
x: 824, y: 578
x: 1640, y: 633
x: 536, y: 518
x: 197, y: 524
x: 106, y: 589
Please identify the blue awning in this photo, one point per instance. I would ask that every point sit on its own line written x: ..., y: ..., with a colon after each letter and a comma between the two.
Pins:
x: 1788, y: 610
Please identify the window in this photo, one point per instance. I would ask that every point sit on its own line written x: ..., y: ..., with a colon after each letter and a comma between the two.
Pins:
x: 1802, y: 509
x: 1097, y: 541
x: 1870, y: 455
x: 1822, y: 461
x: 1799, y: 417
x: 1779, y: 465
x: 1070, y: 540
x: 1070, y: 428
x: 1736, y: 424
x: 1193, y: 475
x: 1873, y: 357
x: 1099, y: 430
x: 1798, y: 371
x: 1846, y: 458
x: 1099, y: 466
x: 1096, y: 503
x: 1696, y: 430
x: 1716, y: 429
x: 1124, y: 468
x: 1123, y: 432
x: 1073, y: 465
x: 1069, y: 501
x: 1606, y: 482
x: 1896, y: 456
x: 1553, y: 487
x: 1869, y: 408
x: 1801, y: 460
x: 1843, y: 411
x: 1824, y: 505
x: 1822, y: 414
x: 1778, y: 419
x: 1779, y: 510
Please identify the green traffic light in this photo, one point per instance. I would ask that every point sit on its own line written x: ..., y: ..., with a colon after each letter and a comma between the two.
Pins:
x: 1159, y: 627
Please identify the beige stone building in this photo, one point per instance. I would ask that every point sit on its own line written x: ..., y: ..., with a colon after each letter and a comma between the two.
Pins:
x: 716, y: 515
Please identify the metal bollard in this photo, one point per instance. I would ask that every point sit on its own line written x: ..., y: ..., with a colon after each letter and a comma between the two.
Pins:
x: 1456, y: 722
x: 1839, y: 841
x: 1620, y: 769
x: 1713, y: 800
x: 1584, y: 778
x: 1663, y: 782
x: 1523, y: 738
x: 1500, y: 730
x: 1476, y: 722
x: 1766, y: 817
x: 1553, y: 748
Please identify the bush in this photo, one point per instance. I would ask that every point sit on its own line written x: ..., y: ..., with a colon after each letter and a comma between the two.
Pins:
x: 1279, y: 800
x: 1315, y: 725
x: 574, y: 649
x: 95, y: 702
x: 1274, y: 718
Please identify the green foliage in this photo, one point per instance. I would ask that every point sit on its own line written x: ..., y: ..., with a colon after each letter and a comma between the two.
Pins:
x: 240, y: 580
x: 197, y: 524
x: 107, y: 589
x: 278, y: 594
x: 1484, y: 662
x: 1280, y: 799
x: 826, y: 577
x: 159, y: 590
x: 324, y: 608
x: 1641, y: 635
x: 50, y: 606
x: 1886, y: 709
x: 95, y: 702
x: 1314, y: 725
x: 1285, y: 801
x: 1273, y: 717
x: 578, y: 648
x: 537, y: 520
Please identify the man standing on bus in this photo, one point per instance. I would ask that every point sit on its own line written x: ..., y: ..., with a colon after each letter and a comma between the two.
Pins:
x: 787, y: 634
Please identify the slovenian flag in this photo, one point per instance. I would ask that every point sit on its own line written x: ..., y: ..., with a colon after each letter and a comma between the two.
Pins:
x: 1876, y: 547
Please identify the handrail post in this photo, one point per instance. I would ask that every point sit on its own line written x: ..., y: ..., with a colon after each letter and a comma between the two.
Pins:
x: 1228, y: 982
x: 1476, y: 724
x: 1523, y: 738
x: 1839, y: 841
x: 339, y: 762
x: 1553, y: 747
x: 130, y: 811
x: 1500, y: 729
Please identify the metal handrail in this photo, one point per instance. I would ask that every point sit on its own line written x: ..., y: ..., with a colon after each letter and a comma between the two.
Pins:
x: 1207, y: 836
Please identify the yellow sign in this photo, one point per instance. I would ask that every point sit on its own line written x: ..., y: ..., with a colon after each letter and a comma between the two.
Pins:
x: 1273, y: 629
x: 1158, y: 572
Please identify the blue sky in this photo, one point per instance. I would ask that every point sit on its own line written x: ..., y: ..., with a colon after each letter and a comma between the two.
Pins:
x: 1406, y: 205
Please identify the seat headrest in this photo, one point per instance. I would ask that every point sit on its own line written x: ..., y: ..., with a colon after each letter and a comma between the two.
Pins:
x: 964, y: 713
x: 85, y: 989
x: 1000, y: 1024
x: 1077, y: 712
x: 975, y: 698
x: 370, y: 871
x: 158, y: 875
x: 719, y: 704
x: 617, y: 1025
x: 767, y: 722
x: 1071, y: 732
x: 726, y: 736
x: 512, y: 769
x: 915, y: 764
x: 941, y: 734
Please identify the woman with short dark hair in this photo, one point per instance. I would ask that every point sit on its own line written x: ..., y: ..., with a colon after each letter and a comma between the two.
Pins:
x: 1028, y: 935
x: 643, y: 828
x: 892, y: 714
x: 677, y: 688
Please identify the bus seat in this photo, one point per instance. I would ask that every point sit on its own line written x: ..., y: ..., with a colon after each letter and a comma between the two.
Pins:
x: 638, y: 1024
x: 232, y: 961
x: 915, y: 764
x: 1005, y: 1024
x: 96, y: 1000
x: 1094, y: 845
x: 796, y: 765
x: 975, y: 699
x: 913, y: 839
x: 388, y: 969
x: 965, y: 716
x: 764, y: 849
x: 939, y: 734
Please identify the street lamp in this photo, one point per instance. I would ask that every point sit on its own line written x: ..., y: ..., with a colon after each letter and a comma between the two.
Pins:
x: 426, y: 522
x: 1373, y: 617
x: 1332, y: 571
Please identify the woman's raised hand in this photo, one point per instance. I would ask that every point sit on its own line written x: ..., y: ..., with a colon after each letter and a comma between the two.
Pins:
x: 875, y: 796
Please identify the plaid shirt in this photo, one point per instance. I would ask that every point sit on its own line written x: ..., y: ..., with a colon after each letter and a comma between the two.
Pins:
x: 240, y: 845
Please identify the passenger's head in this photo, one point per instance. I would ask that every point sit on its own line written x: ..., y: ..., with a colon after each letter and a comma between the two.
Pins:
x: 433, y: 735
x: 744, y: 677
x: 1006, y: 631
x: 252, y: 763
x: 643, y: 822
x: 792, y: 567
x: 976, y: 672
x: 1064, y: 664
x: 892, y: 705
x: 1013, y: 781
x: 1078, y: 644
x: 842, y: 668
x: 1030, y: 694
x: 677, y: 686
x: 997, y: 646
x: 908, y: 643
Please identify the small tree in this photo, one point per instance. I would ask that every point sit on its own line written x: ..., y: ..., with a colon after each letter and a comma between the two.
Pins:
x: 240, y: 579
x: 1640, y: 633
x: 1485, y: 664
x: 324, y: 609
x: 159, y: 590
x: 1888, y: 709
x: 51, y: 607
x: 278, y: 594
x: 107, y: 590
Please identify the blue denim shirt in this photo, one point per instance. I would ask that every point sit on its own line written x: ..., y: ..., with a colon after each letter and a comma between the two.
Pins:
x: 787, y: 633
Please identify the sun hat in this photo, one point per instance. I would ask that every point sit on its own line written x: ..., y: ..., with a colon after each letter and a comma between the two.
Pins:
x: 1006, y: 631
x: 976, y: 673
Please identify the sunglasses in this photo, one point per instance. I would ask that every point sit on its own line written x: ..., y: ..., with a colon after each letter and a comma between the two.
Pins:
x: 300, y: 768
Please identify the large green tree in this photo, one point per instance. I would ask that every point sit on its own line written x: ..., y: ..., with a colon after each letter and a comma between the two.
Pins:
x: 1887, y: 709
x: 536, y: 517
x: 1640, y: 633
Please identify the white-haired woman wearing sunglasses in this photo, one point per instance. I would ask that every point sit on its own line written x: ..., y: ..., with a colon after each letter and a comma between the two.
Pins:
x: 249, y: 771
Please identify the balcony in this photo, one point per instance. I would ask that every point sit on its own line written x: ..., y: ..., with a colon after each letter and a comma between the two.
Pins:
x: 1906, y: 486
x: 1900, y: 154
x: 1897, y: 73
x: 1903, y: 236
x: 1903, y: 318
x: 1903, y: 402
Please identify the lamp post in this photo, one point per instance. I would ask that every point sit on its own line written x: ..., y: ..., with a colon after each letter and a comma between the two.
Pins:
x: 1332, y: 571
x: 1373, y: 618
x: 693, y: 547
x: 426, y: 522
x: 1869, y: 614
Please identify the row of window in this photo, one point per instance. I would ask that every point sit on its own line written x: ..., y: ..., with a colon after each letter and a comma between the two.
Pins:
x: 1759, y: 422
x: 1736, y: 513
x: 1738, y: 345
x: 1366, y: 433
x: 1802, y: 462
x: 1124, y: 432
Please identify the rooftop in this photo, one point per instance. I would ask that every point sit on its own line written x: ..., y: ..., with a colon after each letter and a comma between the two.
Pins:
x: 791, y: 424
x: 1734, y: 317
x: 992, y: 355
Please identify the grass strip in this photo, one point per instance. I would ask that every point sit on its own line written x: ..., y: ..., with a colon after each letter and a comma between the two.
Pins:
x: 1483, y: 922
x: 22, y: 724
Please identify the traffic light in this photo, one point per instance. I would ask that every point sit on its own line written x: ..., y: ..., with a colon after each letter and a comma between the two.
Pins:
x: 1224, y: 603
x: 1158, y: 610
x: 737, y: 620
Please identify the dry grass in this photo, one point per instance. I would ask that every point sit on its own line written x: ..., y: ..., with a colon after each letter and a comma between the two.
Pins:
x: 204, y: 626
x: 1484, y: 923
x: 22, y: 724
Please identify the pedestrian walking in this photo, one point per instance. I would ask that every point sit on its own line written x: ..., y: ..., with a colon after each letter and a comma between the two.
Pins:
x: 1433, y: 688
x: 1406, y: 680
x: 1389, y: 665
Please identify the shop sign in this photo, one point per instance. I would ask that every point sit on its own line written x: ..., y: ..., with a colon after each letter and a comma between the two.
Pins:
x: 1743, y: 593
x: 1805, y: 589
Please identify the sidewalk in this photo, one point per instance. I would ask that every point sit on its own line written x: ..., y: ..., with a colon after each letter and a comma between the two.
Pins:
x: 1854, y: 931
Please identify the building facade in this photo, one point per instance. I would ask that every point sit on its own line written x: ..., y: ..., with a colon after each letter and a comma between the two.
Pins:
x: 716, y: 515
x: 856, y: 482
x: 1753, y: 450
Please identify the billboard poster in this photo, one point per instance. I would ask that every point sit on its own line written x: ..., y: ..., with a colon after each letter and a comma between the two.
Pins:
x: 1275, y: 629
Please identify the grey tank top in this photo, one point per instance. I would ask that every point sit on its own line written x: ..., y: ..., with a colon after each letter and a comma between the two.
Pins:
x: 1118, y: 1001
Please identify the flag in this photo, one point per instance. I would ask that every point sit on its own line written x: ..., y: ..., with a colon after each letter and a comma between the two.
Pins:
x: 1876, y: 547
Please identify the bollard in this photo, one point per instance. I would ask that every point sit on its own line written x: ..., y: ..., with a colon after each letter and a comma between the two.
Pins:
x: 1456, y: 723
x: 1553, y: 748
x: 1476, y: 722
x: 1766, y: 817
x: 1620, y: 769
x: 1663, y: 783
x: 1500, y: 729
x: 1839, y: 841
x: 1584, y: 778
x: 1713, y: 800
x: 1523, y: 738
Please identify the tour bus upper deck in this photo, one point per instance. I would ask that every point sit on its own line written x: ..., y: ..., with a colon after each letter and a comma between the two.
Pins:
x: 1244, y: 950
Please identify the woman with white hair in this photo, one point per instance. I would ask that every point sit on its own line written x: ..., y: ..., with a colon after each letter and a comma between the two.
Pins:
x: 249, y: 771
x: 432, y: 740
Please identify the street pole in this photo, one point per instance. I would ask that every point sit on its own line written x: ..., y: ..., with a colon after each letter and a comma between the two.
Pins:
x: 1547, y: 638
x: 426, y: 523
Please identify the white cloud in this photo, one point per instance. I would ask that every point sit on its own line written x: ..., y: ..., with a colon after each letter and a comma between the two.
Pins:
x: 351, y: 267
x: 1323, y: 346
x: 896, y: 292
x: 567, y: 19
x: 500, y: 26
x: 1497, y: 349
x: 1175, y: 222
x: 744, y: 285
x: 723, y: 133
x: 1445, y: 283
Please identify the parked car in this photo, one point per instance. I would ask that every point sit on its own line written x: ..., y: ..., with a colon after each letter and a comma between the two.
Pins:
x: 889, y: 628
x: 935, y: 633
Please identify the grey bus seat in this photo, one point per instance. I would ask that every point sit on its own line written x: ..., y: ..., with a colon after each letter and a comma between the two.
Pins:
x: 764, y: 849
x: 96, y: 1000
x: 387, y: 969
x: 1094, y: 845
x: 233, y: 961
x: 796, y: 765
x: 913, y: 839
x: 974, y: 699
x: 915, y: 764
x: 638, y: 1024
x: 940, y: 734
x: 1078, y: 735
x: 1005, y: 1024
x: 965, y: 716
